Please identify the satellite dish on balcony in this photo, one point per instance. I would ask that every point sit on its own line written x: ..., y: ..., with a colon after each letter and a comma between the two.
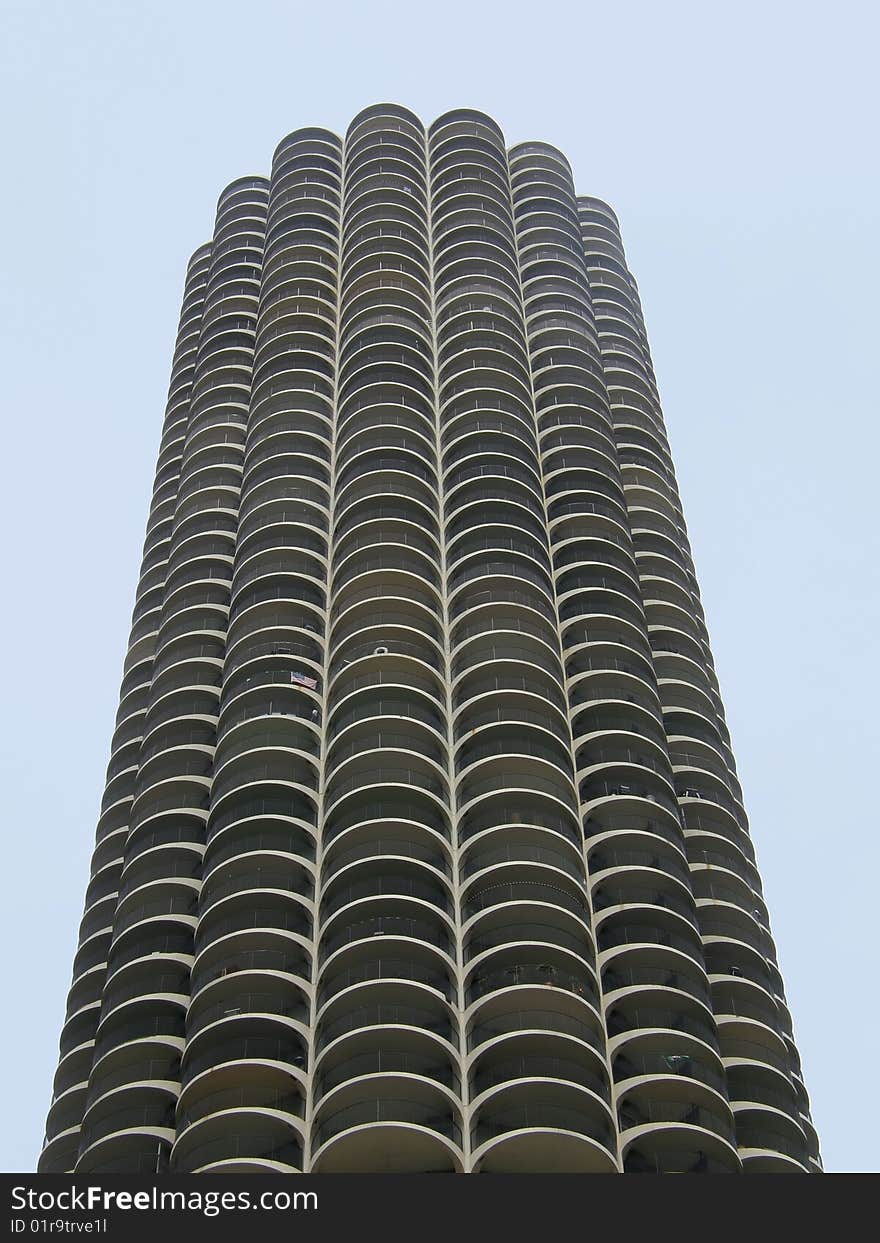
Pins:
x: 380, y: 651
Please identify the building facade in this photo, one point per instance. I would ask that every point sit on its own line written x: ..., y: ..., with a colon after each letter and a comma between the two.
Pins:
x: 422, y: 847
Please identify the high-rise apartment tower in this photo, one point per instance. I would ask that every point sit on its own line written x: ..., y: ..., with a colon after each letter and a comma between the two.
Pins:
x: 422, y: 846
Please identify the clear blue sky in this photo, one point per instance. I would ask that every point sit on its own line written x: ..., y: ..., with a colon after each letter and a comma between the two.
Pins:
x: 737, y: 143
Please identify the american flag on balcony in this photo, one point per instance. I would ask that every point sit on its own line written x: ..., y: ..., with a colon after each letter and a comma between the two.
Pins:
x: 303, y: 679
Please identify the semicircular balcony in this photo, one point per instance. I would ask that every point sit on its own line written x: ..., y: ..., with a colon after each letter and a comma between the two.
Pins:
x: 392, y: 520
x: 157, y: 974
x: 500, y: 583
x: 139, y: 1019
x: 590, y: 530
x: 722, y: 921
x: 524, y: 844
x: 658, y: 1008
x: 538, y: 744
x: 527, y: 913
x: 619, y: 789
x: 381, y: 298
x: 74, y: 1068
x: 728, y: 885
x: 369, y: 261
x: 391, y: 800
x: 257, y: 949
x: 520, y: 1056
x: 500, y: 779
x: 386, y: 839
x: 148, y: 1060
x: 504, y: 518
x: 503, y: 622
x: 460, y: 215
x: 79, y: 1028
x: 240, y: 1039
x: 684, y: 1064
x: 254, y: 998
x: 383, y: 1051
x: 637, y: 927
x: 541, y: 1125
x: 683, y: 1143
x: 127, y: 1128
x: 143, y: 1100
x: 652, y: 882
x: 389, y: 686
x: 391, y: 575
x: 62, y: 1135
x: 378, y: 875
x: 754, y: 1043
x: 265, y: 1088
x: 502, y: 527
x: 385, y: 654
x: 158, y: 934
x: 271, y: 799
x: 605, y: 567
x: 256, y: 906
x: 493, y: 474
x: 497, y: 332
x: 389, y: 905
x: 278, y: 680
x: 701, y: 787
x: 609, y: 645
x: 658, y: 974
x: 753, y: 1088
x: 363, y: 757
x: 599, y: 594
x: 392, y: 776
x: 388, y: 1123
x: 170, y: 897
x: 283, y: 524
x: 620, y: 847
x: 466, y: 259
x: 58, y: 1155
x: 770, y: 1140
x: 521, y: 871
x: 250, y: 738
x: 377, y: 967
x: 516, y: 669
x: 382, y: 1006
x: 254, y: 871
x: 244, y: 1140
x: 745, y: 983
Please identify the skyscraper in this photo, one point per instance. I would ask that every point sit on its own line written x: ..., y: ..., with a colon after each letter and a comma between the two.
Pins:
x: 422, y: 846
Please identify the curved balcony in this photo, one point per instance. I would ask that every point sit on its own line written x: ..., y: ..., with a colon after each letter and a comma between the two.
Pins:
x: 539, y: 1125
x: 243, y: 1140
x: 126, y: 1116
x: 385, y: 1051
x: 258, y: 872
x: 157, y: 973
x: 387, y: 1123
x: 647, y: 926
x: 770, y: 1141
x: 140, y: 1144
x: 678, y: 1148
x: 384, y: 658
x: 393, y: 958
x: 686, y: 1063
x: 374, y: 915
x: 376, y: 1005
x: 285, y: 802
x: 383, y: 840
x: 659, y: 1010
x: 257, y: 1084
x: 526, y: 845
